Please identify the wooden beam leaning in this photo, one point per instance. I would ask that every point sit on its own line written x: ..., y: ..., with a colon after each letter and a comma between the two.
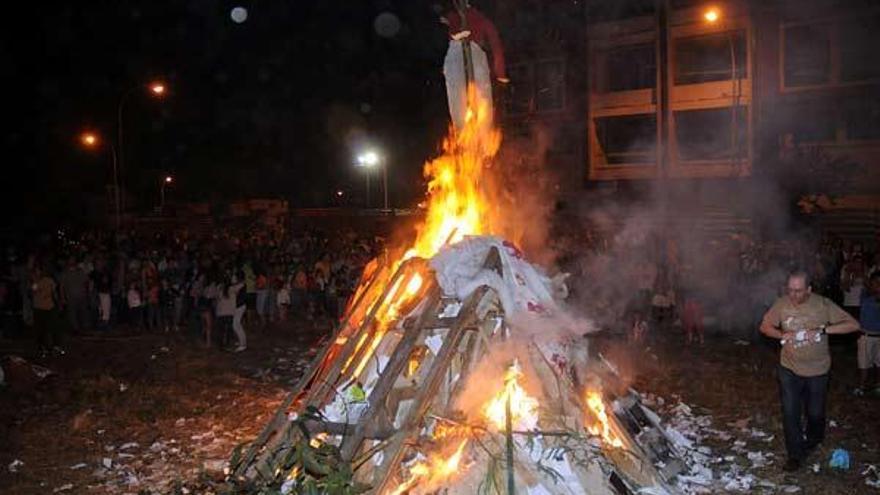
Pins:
x: 279, y: 418
x: 410, y: 429
x: 392, y: 371
x: 327, y: 380
x: 324, y: 386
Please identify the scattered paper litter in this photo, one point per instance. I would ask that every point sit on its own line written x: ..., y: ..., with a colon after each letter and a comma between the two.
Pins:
x: 129, y: 445
x: 14, y: 465
x: 63, y: 488
x: 78, y: 466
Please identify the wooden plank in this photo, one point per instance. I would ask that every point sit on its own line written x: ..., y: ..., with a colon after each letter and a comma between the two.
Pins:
x: 280, y: 416
x: 392, y: 371
x: 329, y: 382
x: 427, y: 394
x: 279, y: 419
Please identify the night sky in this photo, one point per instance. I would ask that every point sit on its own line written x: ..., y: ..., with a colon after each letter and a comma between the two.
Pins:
x: 277, y: 105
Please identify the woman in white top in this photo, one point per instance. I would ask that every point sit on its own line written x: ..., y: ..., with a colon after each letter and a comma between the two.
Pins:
x: 225, y: 310
x: 852, y: 281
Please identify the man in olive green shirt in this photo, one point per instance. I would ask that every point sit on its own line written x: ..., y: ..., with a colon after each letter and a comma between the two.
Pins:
x: 802, y: 321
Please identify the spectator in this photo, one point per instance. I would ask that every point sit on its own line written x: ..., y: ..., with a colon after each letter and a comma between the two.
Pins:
x: 225, y: 311
x: 105, y: 302
x: 75, y: 296
x: 869, y: 341
x: 692, y: 318
x: 852, y: 281
x: 45, y: 299
x: 169, y: 298
x: 801, y: 320
x: 135, y: 306
x: 240, y: 308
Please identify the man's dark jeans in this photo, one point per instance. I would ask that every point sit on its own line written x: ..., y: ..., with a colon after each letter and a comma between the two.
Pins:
x: 799, y: 393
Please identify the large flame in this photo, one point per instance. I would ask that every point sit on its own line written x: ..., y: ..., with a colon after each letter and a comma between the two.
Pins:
x: 523, y: 408
x: 457, y: 204
x: 433, y: 472
x: 601, y: 426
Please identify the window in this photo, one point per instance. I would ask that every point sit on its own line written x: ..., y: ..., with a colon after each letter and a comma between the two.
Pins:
x: 859, y: 57
x: 861, y: 118
x: 708, y: 58
x: 807, y: 55
x: 519, y: 98
x: 811, y: 121
x: 708, y: 134
x: 628, y: 139
x: 631, y: 67
x: 550, y: 85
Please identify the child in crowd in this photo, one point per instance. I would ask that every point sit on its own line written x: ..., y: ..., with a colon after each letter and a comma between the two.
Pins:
x: 135, y: 306
x: 692, y: 319
x: 283, y: 299
x: 639, y: 329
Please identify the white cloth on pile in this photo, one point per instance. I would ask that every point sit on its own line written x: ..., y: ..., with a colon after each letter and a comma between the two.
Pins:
x: 521, y: 287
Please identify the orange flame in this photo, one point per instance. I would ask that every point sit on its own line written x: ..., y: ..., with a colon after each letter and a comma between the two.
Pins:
x: 457, y: 206
x: 433, y: 472
x: 601, y: 427
x: 523, y: 408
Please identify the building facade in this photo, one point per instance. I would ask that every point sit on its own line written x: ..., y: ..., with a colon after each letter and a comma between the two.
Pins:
x: 719, y: 94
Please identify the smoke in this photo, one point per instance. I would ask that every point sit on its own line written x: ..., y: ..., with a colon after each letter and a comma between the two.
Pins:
x: 487, y: 379
x: 524, y: 195
x: 624, y: 252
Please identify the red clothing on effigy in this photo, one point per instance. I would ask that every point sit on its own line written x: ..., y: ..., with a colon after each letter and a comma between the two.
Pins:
x: 484, y: 33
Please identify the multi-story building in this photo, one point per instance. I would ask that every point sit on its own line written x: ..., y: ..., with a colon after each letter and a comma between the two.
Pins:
x: 719, y: 94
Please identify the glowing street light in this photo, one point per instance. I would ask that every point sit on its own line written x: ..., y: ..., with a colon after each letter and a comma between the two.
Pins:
x: 167, y: 180
x: 91, y: 140
x: 370, y: 159
x: 711, y: 15
x: 154, y: 88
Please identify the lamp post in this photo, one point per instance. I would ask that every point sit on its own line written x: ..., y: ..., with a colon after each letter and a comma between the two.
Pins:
x: 91, y: 140
x: 155, y: 88
x: 712, y: 15
x: 370, y: 160
x: 166, y: 181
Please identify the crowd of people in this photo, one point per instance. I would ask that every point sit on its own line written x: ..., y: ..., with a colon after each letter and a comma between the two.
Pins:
x: 657, y: 283
x: 213, y: 288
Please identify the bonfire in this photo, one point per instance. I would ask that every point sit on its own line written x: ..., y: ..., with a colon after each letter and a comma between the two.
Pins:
x: 430, y: 381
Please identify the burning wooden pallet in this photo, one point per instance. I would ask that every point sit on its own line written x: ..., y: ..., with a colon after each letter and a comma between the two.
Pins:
x: 384, y: 406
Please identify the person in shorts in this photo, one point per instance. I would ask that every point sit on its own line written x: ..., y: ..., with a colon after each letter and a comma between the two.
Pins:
x: 869, y: 341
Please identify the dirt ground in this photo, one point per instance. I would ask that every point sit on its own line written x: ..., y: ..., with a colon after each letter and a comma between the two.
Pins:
x: 733, y: 381
x: 159, y: 414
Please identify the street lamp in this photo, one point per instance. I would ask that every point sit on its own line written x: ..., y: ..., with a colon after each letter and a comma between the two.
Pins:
x: 166, y: 181
x: 369, y: 160
x: 712, y: 15
x: 156, y: 88
x: 91, y: 140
